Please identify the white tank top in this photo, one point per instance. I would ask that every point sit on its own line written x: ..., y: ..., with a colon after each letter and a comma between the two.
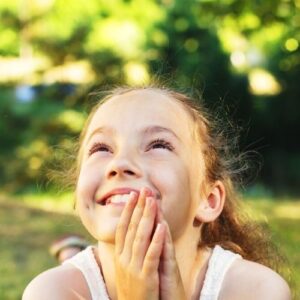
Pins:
x: 218, y: 264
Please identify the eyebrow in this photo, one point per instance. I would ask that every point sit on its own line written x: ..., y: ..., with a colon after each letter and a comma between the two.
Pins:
x: 157, y: 129
x: 148, y: 130
x: 104, y: 129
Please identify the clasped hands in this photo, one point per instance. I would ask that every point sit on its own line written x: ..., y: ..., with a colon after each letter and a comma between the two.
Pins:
x: 146, y: 267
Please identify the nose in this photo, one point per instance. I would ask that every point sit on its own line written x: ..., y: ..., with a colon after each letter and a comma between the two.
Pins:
x: 123, y: 167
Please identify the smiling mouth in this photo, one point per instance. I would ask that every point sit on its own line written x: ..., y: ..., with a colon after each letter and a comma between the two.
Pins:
x: 120, y: 196
x: 117, y: 199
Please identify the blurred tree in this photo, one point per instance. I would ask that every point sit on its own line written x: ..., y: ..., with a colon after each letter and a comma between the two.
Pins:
x: 219, y: 47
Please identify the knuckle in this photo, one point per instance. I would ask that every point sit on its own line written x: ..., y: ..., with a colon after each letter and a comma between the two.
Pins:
x: 132, y: 226
x: 139, y: 238
x: 152, y: 257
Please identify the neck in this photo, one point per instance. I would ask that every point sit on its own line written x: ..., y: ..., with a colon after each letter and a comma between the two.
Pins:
x: 107, y: 262
x: 192, y: 262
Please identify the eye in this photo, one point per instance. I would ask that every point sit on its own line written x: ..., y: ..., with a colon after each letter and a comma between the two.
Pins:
x: 99, y: 147
x: 160, y: 144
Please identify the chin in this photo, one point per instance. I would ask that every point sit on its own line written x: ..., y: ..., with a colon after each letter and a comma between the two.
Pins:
x: 105, y: 234
x: 106, y: 239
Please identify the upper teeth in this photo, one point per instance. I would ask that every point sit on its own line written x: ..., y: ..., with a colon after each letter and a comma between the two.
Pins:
x: 119, y: 198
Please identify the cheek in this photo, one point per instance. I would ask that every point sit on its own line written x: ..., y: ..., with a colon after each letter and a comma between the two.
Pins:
x: 88, y: 181
x: 174, y: 186
x: 166, y: 179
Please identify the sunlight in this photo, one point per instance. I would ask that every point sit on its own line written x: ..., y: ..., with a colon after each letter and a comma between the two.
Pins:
x: 123, y: 37
x: 18, y: 69
x: 263, y: 83
x: 136, y: 73
x: 36, y: 7
x: 238, y: 59
x: 249, y: 21
x: 289, y: 210
x: 73, y: 72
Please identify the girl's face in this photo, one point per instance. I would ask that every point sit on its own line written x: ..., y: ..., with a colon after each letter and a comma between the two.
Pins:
x: 139, y: 139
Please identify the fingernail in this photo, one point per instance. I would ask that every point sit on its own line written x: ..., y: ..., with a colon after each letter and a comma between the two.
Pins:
x: 132, y: 194
x: 159, y: 227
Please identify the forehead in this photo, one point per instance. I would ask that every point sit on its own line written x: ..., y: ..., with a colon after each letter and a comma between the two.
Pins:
x: 142, y: 108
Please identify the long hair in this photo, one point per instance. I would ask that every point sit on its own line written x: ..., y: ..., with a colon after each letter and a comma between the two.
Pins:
x: 233, y: 229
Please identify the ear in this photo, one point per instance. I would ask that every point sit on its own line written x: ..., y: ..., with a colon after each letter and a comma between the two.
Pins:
x: 211, y: 207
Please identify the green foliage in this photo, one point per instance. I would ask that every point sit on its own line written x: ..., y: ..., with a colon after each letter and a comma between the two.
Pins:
x: 191, y: 43
x: 34, y: 130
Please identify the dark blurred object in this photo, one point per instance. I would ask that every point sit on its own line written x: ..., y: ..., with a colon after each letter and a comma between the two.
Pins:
x: 67, y: 246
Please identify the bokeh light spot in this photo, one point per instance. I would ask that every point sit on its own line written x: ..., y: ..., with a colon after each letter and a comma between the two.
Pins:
x: 181, y: 24
x: 291, y: 44
x: 191, y: 45
x: 238, y: 59
x: 136, y: 73
x: 263, y: 83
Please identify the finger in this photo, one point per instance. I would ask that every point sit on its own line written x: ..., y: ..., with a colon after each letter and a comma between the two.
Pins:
x: 133, y: 225
x: 168, y: 262
x: 152, y: 258
x: 143, y: 234
x: 168, y: 258
x: 159, y: 215
x: 168, y: 249
x: 124, y: 222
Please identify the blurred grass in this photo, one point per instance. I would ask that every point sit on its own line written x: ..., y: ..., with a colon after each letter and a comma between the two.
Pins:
x: 25, y: 235
x: 28, y: 227
x: 283, y: 219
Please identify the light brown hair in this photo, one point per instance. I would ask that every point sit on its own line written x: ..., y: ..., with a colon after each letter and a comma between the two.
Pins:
x: 233, y: 229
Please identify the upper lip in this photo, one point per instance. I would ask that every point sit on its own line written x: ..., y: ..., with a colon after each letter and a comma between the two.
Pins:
x: 118, y: 191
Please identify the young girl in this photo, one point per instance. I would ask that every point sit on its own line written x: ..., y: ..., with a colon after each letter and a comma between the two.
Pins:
x: 154, y: 188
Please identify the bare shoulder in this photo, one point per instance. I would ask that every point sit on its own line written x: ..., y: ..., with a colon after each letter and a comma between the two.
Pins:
x: 249, y: 280
x: 62, y: 282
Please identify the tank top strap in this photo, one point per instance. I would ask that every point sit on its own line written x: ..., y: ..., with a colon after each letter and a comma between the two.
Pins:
x: 218, y: 265
x: 85, y: 261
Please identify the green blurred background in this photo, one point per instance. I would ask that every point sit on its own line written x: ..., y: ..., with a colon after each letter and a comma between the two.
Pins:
x: 243, y: 56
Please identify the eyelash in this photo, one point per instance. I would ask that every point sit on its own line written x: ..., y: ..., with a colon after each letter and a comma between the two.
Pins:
x: 162, y: 145
x: 156, y: 144
x: 99, y: 147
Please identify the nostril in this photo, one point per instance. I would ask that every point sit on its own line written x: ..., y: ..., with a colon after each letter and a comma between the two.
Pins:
x: 113, y: 173
x: 128, y: 172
